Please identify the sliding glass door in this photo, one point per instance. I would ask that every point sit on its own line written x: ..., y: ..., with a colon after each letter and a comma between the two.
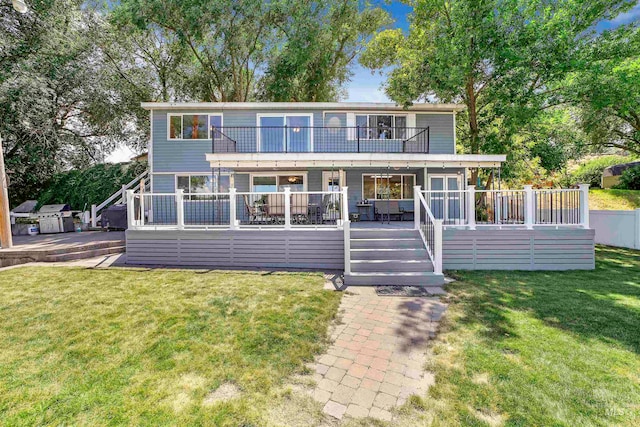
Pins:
x: 284, y: 133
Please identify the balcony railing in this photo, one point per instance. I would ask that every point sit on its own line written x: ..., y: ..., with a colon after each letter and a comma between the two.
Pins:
x: 318, y: 139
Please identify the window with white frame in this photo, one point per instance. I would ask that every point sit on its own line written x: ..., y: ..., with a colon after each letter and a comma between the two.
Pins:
x: 278, y: 182
x: 193, y: 185
x: 392, y: 186
x: 285, y: 133
x: 382, y: 126
x: 193, y: 126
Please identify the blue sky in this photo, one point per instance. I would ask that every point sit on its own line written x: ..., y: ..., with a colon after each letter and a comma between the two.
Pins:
x: 366, y: 87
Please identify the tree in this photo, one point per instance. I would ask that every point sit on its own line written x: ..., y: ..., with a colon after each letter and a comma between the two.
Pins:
x: 607, y: 92
x: 59, y: 104
x: 322, y: 40
x: 281, y: 50
x: 503, y: 60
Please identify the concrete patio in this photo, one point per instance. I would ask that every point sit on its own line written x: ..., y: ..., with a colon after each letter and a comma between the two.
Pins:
x: 62, y: 247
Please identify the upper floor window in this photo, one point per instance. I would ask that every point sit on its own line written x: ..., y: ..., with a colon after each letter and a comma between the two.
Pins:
x: 193, y: 126
x: 382, y: 126
x: 284, y: 133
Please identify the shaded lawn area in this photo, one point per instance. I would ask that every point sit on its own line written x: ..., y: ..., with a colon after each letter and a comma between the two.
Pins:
x: 541, y: 348
x: 614, y: 199
x: 125, y: 346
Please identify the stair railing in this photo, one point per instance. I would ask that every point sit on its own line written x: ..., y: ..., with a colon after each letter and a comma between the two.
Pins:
x: 119, y: 197
x: 430, y: 229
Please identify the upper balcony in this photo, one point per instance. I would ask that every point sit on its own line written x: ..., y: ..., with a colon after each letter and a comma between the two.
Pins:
x: 319, y: 139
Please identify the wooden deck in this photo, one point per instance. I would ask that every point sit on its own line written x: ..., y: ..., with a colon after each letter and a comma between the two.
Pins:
x: 62, y: 247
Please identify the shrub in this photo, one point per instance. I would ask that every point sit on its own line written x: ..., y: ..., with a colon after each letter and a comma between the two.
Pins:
x: 630, y: 179
x: 591, y: 171
x: 82, y: 188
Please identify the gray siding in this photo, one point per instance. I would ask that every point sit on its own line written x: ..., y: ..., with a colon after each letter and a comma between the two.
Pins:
x: 163, y: 183
x: 540, y: 249
x: 189, y: 156
x: 440, y: 132
x: 321, y: 249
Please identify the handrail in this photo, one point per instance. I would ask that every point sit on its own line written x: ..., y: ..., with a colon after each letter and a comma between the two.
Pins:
x: 426, y: 149
x: 121, y: 193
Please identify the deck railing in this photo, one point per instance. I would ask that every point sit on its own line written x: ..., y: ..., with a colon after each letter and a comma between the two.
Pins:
x: 319, y: 139
x: 234, y: 210
x: 526, y: 208
x: 430, y: 229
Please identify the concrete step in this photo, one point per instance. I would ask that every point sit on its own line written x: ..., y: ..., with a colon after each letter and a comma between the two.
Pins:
x: 388, y: 243
x: 381, y: 233
x: 85, y: 254
x: 393, y: 265
x: 390, y: 279
x: 389, y: 253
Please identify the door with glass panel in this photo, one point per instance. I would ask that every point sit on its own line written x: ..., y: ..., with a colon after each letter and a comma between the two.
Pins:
x: 445, y: 198
x: 284, y: 134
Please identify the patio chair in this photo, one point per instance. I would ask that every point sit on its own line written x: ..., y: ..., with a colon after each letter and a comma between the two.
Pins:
x: 299, y: 208
x: 388, y: 208
x: 331, y: 207
x: 255, y: 214
x: 275, y: 207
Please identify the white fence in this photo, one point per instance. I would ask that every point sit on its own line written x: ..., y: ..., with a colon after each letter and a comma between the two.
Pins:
x: 617, y: 228
x: 234, y: 210
x: 527, y: 208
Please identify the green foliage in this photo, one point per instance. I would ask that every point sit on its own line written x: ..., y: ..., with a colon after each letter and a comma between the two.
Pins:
x: 284, y: 50
x: 630, y: 179
x: 506, y: 61
x: 590, y: 172
x: 82, y: 188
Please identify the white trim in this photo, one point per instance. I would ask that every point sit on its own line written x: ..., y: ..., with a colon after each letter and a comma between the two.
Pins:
x: 150, y: 150
x: 338, y: 106
x: 194, y: 113
x: 384, y: 174
x: 284, y: 116
x: 455, y: 137
x: 278, y: 173
x: 332, y: 173
x: 347, y: 160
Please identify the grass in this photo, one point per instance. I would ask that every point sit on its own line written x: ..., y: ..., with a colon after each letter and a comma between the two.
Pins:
x: 614, y: 199
x: 136, y: 347
x: 539, y: 348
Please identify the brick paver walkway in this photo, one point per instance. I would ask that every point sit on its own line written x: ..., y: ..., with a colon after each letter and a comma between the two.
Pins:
x: 376, y: 360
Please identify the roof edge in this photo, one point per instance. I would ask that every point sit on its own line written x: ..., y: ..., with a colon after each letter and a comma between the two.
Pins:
x: 300, y: 105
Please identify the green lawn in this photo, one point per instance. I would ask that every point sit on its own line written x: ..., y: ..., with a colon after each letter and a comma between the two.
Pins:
x: 539, y: 348
x: 614, y: 199
x: 121, y: 346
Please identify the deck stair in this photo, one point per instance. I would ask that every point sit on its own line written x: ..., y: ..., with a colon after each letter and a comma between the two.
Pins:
x: 390, y: 257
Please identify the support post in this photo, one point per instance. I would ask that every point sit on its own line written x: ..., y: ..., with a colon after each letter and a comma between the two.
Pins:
x: 437, y: 255
x: 584, y: 205
x: 179, y: 208
x: 529, y: 207
x: 471, y: 207
x: 233, y: 224
x: 94, y: 218
x: 637, y: 239
x: 287, y: 208
x: 346, y: 227
x: 344, y: 205
x: 416, y: 207
x: 124, y: 192
x: 131, y: 213
x: 6, y: 239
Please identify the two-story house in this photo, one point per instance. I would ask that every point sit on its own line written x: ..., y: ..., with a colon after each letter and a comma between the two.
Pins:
x: 254, y: 177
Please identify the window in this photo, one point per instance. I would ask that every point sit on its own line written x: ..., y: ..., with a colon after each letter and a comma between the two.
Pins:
x: 382, y: 126
x: 284, y: 133
x: 192, y: 185
x: 193, y: 126
x: 272, y: 183
x: 394, y: 187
